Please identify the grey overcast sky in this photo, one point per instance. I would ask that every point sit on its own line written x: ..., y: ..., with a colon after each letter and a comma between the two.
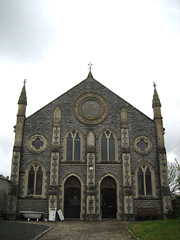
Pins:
x: 50, y: 43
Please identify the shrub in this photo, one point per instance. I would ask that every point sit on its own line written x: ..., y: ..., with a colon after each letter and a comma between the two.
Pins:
x: 175, y: 212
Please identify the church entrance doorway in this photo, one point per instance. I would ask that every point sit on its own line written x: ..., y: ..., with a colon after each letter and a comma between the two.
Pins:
x: 72, y: 198
x: 108, y: 198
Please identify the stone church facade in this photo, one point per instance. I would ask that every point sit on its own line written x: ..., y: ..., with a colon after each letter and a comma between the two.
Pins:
x: 91, y: 154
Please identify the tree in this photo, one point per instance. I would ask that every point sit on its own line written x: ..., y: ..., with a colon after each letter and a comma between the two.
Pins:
x: 174, y: 177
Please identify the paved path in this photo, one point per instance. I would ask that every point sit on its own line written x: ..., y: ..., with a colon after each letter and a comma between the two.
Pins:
x: 80, y: 230
x: 13, y: 230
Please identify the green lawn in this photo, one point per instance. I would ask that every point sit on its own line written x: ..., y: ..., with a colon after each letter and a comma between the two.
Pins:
x: 157, y: 230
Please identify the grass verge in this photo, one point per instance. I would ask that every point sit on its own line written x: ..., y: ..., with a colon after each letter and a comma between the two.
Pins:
x: 168, y: 229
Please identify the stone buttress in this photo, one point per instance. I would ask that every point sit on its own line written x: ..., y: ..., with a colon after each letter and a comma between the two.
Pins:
x: 166, y: 197
x: 126, y: 166
x: 16, y: 156
x: 54, y: 170
x: 91, y: 188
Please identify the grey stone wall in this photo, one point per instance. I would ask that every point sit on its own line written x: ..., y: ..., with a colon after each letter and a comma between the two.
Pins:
x: 41, y: 122
x: 4, y: 188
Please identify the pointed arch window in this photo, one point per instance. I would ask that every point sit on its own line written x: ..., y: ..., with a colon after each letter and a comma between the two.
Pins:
x: 144, y: 180
x: 35, y: 180
x: 107, y: 146
x: 73, y: 146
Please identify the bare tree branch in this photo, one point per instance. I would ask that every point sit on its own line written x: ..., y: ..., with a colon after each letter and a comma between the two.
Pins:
x: 174, y: 177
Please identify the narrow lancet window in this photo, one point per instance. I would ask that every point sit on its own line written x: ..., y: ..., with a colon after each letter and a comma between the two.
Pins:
x: 31, y: 181
x: 39, y: 178
x: 140, y: 182
x: 104, y: 147
x: 69, y: 147
x: 77, y: 147
x: 148, y: 182
x: 35, y: 180
x: 73, y: 146
x: 107, y: 146
x: 111, y: 148
x: 144, y: 181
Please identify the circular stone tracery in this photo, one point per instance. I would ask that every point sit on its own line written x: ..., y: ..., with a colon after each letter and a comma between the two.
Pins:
x: 143, y: 145
x: 91, y: 108
x: 37, y: 143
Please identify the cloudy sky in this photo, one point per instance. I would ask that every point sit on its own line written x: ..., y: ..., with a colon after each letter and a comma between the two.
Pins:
x: 131, y: 44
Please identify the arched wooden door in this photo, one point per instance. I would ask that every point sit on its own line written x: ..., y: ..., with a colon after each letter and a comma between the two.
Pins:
x: 108, y: 198
x: 72, y: 198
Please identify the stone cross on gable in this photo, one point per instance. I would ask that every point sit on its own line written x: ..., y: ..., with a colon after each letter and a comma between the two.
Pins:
x: 90, y: 66
x: 154, y: 85
x: 25, y: 81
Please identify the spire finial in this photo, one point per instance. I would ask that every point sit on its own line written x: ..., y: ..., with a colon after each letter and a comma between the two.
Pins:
x: 90, y: 66
x: 156, y: 100
x: 154, y: 85
x: 23, y: 98
x: 25, y: 81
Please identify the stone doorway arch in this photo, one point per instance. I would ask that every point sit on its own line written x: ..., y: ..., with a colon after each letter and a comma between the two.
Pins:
x: 72, y: 197
x: 108, y: 195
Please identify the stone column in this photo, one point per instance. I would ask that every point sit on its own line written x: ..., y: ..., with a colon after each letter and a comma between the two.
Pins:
x: 54, y: 170
x: 91, y: 188
x: 126, y: 165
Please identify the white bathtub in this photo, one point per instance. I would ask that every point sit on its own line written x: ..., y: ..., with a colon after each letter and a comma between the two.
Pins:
x: 31, y: 215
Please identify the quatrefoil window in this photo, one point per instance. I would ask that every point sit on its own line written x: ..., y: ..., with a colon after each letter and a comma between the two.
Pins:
x: 37, y: 143
x: 143, y: 145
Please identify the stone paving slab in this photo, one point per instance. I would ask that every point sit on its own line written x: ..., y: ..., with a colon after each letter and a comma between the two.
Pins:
x: 80, y: 230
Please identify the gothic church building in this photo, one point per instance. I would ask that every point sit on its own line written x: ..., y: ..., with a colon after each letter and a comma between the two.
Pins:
x: 91, y: 154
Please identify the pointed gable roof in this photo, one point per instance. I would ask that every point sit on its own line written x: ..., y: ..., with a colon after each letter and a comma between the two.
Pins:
x: 90, y: 84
